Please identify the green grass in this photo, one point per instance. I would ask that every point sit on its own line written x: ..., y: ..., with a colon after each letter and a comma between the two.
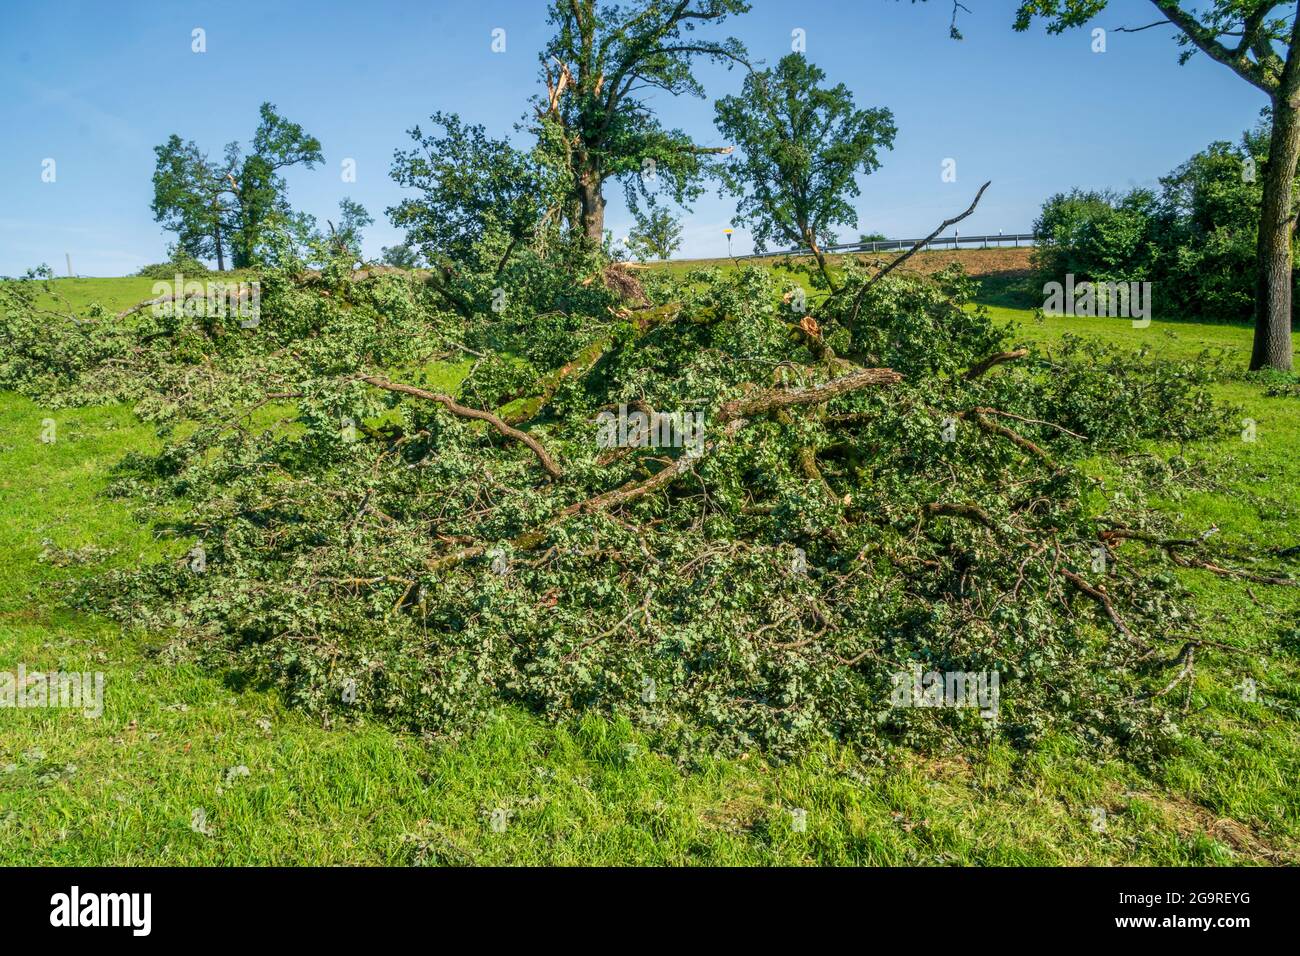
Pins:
x: 1165, y: 338
x: 122, y: 789
x: 113, y: 294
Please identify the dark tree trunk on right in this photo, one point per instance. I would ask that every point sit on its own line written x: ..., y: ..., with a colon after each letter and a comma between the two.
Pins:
x: 1272, y: 348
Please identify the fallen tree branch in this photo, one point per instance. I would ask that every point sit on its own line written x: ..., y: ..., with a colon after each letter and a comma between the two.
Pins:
x: 576, y: 367
x: 141, y: 306
x: 1122, y: 533
x: 809, y: 332
x: 1232, y: 572
x: 1017, y: 439
x: 462, y: 411
x: 807, y: 459
x: 960, y: 510
x: 631, y: 491
x: 1102, y: 598
x: 1186, y: 657
x: 1029, y: 421
x: 1171, y: 546
x: 983, y: 365
x: 733, y: 416
x: 639, y: 489
x: 643, y: 609
x: 778, y: 398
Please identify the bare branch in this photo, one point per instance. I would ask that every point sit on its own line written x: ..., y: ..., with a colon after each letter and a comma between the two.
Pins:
x: 462, y: 411
x: 1102, y: 598
x: 1158, y: 23
x: 857, y: 301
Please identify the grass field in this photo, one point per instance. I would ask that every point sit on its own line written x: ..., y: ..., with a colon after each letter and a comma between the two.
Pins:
x: 185, y: 767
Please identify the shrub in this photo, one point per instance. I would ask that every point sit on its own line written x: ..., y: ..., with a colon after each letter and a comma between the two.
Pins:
x: 1194, y: 240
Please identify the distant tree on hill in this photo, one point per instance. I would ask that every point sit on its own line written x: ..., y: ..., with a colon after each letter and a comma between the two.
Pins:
x: 346, y: 237
x: 192, y: 199
x: 401, y: 256
x: 802, y: 147
x: 657, y: 234
x: 215, y: 206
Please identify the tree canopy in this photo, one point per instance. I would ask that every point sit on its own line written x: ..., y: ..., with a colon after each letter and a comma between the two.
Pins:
x: 471, y: 188
x: 657, y: 235
x: 215, y: 206
x: 594, y: 118
x: 802, y: 146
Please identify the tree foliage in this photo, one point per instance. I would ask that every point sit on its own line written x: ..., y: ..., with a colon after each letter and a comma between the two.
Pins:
x: 483, y: 211
x: 346, y: 236
x: 595, y: 119
x: 802, y: 147
x: 1241, y: 34
x: 1194, y: 239
x: 370, y: 541
x: 657, y: 235
x: 402, y: 256
x: 226, y: 205
x: 191, y: 199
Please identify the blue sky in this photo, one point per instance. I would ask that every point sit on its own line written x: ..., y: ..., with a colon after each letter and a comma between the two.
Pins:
x: 95, y: 86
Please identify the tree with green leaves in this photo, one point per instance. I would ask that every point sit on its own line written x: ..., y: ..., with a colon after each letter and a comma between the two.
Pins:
x: 215, y: 206
x: 1258, y: 40
x: 400, y: 256
x: 1194, y: 239
x: 260, y: 190
x: 593, y: 120
x: 656, y: 235
x: 191, y: 198
x: 480, y: 200
x: 345, y: 238
x: 802, y: 146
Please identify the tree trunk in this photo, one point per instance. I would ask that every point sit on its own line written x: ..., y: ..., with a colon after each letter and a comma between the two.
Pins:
x: 216, y: 236
x: 1273, y: 250
x: 811, y: 239
x: 593, y: 206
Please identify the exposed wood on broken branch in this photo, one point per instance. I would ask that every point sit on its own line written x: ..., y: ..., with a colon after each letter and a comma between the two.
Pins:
x: 773, y: 399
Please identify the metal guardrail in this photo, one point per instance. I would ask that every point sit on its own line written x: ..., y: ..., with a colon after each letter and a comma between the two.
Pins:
x: 894, y: 245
